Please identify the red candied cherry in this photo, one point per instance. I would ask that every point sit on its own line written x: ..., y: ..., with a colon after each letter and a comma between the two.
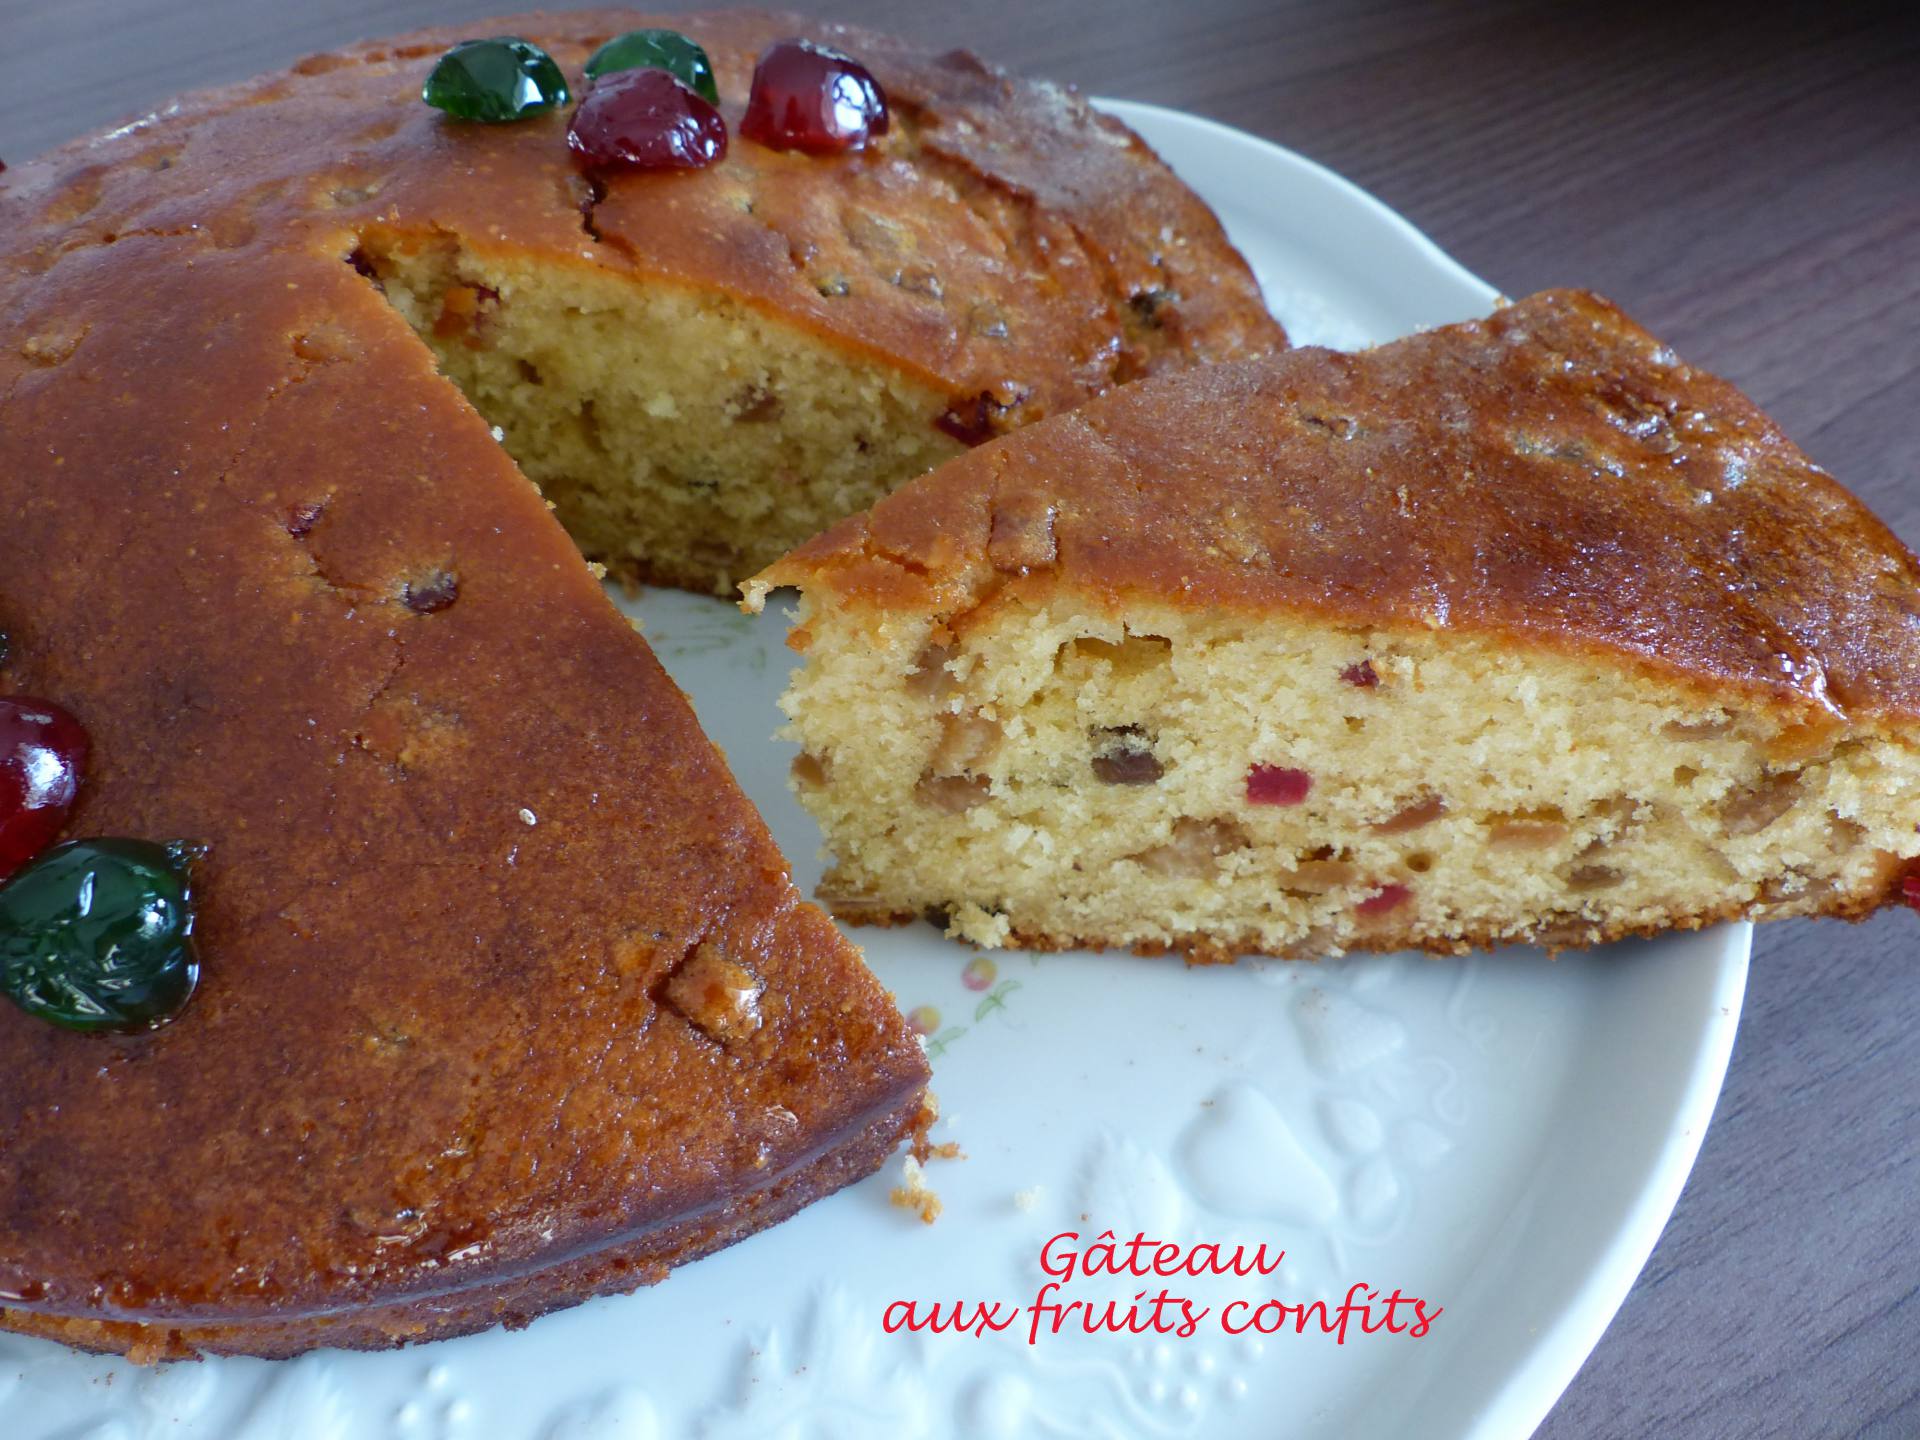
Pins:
x: 43, y: 749
x: 1387, y: 897
x: 807, y: 97
x: 1361, y: 675
x: 645, y: 120
x: 1277, y: 785
x: 1910, y: 888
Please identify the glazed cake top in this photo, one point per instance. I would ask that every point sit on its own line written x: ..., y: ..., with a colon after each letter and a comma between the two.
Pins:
x: 458, y: 849
x: 1552, y: 473
x: 1003, y: 240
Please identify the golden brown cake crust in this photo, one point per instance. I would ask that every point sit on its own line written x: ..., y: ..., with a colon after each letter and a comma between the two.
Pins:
x: 1392, y: 937
x: 1552, y: 473
x: 1005, y: 240
x: 515, y: 1301
x: 434, y: 1076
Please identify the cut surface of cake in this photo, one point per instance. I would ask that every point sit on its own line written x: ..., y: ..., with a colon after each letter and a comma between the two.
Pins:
x: 1518, y: 630
x: 703, y: 368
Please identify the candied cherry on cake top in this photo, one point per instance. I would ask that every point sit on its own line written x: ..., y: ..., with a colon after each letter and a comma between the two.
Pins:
x: 98, y: 934
x: 43, y: 751
x: 495, y: 81
x: 666, y: 50
x: 807, y: 97
x: 645, y: 120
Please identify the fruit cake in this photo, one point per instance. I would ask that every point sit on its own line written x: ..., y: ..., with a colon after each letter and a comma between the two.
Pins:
x: 1518, y: 630
x: 701, y: 367
x: 278, y: 593
x: 483, y: 989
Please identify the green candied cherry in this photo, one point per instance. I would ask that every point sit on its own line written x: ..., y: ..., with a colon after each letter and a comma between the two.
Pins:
x: 98, y: 934
x: 666, y: 50
x: 494, y: 81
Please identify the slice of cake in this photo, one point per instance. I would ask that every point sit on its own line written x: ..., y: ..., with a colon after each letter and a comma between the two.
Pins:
x: 1521, y: 630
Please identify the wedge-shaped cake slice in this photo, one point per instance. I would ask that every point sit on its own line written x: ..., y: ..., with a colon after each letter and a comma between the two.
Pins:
x: 1520, y: 630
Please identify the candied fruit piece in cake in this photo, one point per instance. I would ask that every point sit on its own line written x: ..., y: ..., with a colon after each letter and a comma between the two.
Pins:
x: 1518, y: 630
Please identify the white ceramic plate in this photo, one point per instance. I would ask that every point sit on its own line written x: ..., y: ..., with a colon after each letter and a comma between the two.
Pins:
x: 1501, y: 1136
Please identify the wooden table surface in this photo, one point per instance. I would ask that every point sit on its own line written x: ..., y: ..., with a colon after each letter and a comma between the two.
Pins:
x: 1745, y: 180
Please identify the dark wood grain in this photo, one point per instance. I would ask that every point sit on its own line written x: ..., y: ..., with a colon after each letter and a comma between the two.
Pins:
x: 1745, y: 179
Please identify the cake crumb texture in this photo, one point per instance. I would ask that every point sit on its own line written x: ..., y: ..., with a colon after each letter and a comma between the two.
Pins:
x: 913, y: 1193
